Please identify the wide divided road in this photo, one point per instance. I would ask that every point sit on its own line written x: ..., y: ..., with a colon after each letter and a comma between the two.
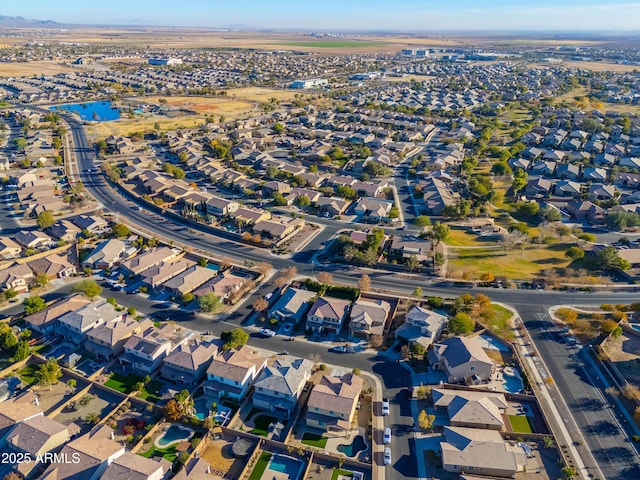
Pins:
x: 581, y: 390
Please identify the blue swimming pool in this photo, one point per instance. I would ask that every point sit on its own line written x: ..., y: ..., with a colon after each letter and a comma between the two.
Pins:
x: 173, y: 434
x: 203, y: 407
x: 492, y: 343
x: 290, y: 466
x: 636, y: 327
x: 92, y: 111
x: 352, y: 449
x: 512, y: 383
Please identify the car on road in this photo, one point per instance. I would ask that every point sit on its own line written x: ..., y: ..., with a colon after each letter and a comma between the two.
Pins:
x: 385, y: 406
x: 387, y: 456
x: 287, y: 328
x: 265, y: 332
x: 268, y: 296
x: 386, y: 438
x: 338, y: 349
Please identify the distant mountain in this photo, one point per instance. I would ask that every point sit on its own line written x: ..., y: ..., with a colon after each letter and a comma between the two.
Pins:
x: 6, y: 21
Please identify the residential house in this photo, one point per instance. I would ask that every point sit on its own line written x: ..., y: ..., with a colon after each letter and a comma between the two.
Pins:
x: 53, y: 266
x: 33, y: 239
x: 278, y: 230
x: 333, y: 206
x: 144, y: 351
x: 74, y: 325
x: 437, y: 194
x: 250, y: 216
x: 106, y: 254
x: 150, y: 258
x: 233, y: 372
x: 604, y: 159
x: 327, y: 314
x: 189, y: 279
x: 17, y: 409
x: 473, y: 409
x: 375, y: 208
x: 16, y: 277
x: 539, y: 187
x: 463, y: 360
x: 568, y: 171
x: 65, y: 230
x: 132, y: 466
x: 368, y: 317
x: 421, y: 326
x: 292, y: 305
x: 93, y: 224
x: 585, y: 210
x: 9, y: 249
x: 221, y: 207
x: 38, y: 435
x: 92, y: 454
x: 279, y: 386
x: 595, y: 174
x: 269, y: 188
x: 155, y: 276
x: 107, y: 341
x: 222, y: 285
x: 567, y: 188
x: 187, y: 363
x: 475, y: 450
x: 600, y: 191
x: 45, y: 321
x: 332, y: 403
x: 196, y: 469
x: 406, y: 246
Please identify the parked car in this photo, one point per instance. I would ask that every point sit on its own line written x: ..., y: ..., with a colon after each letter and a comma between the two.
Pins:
x: 385, y: 406
x: 387, y: 456
x: 386, y: 438
x: 266, y: 332
x: 338, y: 349
x: 268, y: 296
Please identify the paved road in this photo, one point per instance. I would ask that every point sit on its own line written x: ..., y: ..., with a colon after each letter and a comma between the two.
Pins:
x: 583, y: 398
x: 528, y: 304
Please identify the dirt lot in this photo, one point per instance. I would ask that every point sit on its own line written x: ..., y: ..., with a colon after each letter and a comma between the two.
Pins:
x: 219, y: 455
x: 19, y: 69
x: 624, y: 351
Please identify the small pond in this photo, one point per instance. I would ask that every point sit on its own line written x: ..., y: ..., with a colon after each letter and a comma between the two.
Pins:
x: 92, y: 111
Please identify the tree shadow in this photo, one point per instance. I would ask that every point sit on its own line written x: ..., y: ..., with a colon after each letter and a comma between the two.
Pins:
x: 604, y: 428
x: 589, y: 404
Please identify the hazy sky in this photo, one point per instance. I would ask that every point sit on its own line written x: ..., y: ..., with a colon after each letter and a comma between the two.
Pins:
x: 344, y: 14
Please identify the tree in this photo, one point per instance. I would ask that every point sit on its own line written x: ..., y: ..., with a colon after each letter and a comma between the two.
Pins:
x: 45, y: 220
x: 202, y: 262
x: 48, y: 373
x: 375, y: 340
x: 528, y: 208
x: 417, y: 293
x: 234, y: 339
x: 461, y: 324
x: 72, y: 384
x: 41, y: 279
x: 325, y: 278
x: 422, y: 221
x: 608, y: 326
x: 278, y: 199
x: 184, y: 401
x: 568, y: 473
x: 567, y: 315
x: 20, y: 143
x: 550, y: 214
x: 425, y: 420
x: 487, y: 277
x: 8, y: 339
x: 209, y: 302
x: 263, y: 267
x: 303, y: 201
x: 417, y: 349
x: 440, y: 232
x: 33, y: 304
x: 120, y: 230
x: 364, y: 283
x: 289, y: 273
x: 260, y: 305
x: 172, y: 410
x: 608, y: 259
x: 22, y: 350
x: 413, y: 263
x: 131, y: 311
x: 519, y: 181
x: 574, y: 253
x: 501, y: 168
x: 587, y: 237
x: 89, y: 288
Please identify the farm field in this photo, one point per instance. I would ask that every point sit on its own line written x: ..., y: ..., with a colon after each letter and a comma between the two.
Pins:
x: 27, y: 69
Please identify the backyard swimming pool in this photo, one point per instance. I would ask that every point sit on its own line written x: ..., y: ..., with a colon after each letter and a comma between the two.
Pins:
x: 174, y: 434
x: 203, y: 408
x: 290, y: 466
x: 491, y: 343
x: 352, y: 449
x: 636, y: 327
x: 512, y: 380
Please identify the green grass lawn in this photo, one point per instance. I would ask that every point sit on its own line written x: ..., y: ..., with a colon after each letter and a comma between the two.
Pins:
x: 314, y: 440
x: 261, y: 466
x: 520, y: 424
x: 168, y: 453
x: 150, y: 393
x: 28, y: 374
x: 262, y: 423
x: 501, y: 324
x: 337, y: 472
x: 122, y: 383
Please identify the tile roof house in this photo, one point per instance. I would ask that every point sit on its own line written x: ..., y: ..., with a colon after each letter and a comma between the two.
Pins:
x: 368, y: 317
x: 481, y: 451
x: 279, y: 386
x: 92, y: 454
x: 9, y: 249
x: 187, y: 363
x: 107, y: 254
x: 189, y: 279
x: 333, y: 205
x: 33, y: 239
x: 53, y: 266
x: 406, y: 246
x: 107, y: 341
x: 250, y: 216
x: 131, y: 466
x: 155, y: 276
x: 277, y: 229
x: 17, y: 278
x: 292, y: 305
x: 65, y: 230
x: 233, y: 372
x: 144, y: 351
x: 327, y: 314
x: 421, y: 326
x: 148, y: 259
x: 46, y: 320
x: 94, y: 224
x: 196, y: 469
x: 18, y: 409
x: 38, y: 435
x: 374, y: 208
x: 74, y: 325
x: 463, y: 360
x: 332, y: 403
x: 222, y: 285
x: 474, y: 409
